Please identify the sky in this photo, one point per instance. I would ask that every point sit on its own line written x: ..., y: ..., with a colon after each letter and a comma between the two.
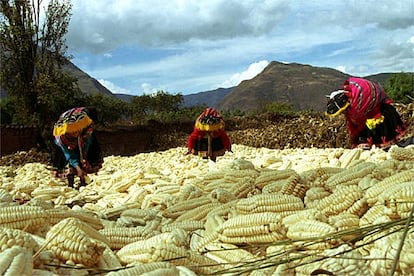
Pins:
x: 140, y: 47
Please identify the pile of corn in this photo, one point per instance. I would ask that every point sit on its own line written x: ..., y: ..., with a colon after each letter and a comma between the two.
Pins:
x: 256, y: 211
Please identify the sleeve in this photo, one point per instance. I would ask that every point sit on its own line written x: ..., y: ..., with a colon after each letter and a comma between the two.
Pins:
x: 191, y: 139
x: 225, y: 139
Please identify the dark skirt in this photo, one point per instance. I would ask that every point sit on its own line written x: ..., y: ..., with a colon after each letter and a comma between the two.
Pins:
x: 201, y: 147
x: 385, y: 133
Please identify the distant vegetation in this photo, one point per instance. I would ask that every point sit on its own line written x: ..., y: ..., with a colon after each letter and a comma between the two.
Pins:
x: 400, y: 87
x: 33, y: 54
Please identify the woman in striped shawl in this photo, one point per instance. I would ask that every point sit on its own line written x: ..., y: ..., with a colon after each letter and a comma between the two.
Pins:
x: 78, y: 151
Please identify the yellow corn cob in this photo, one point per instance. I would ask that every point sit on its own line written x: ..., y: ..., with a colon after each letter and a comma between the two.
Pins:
x: 222, y: 195
x: 375, y: 212
x: 144, y: 251
x: 269, y: 202
x: 359, y: 207
x: 402, y: 191
x: 348, y: 156
x: 255, y: 228
x: 243, y: 188
x: 233, y: 175
x: 310, y: 213
x: 350, y: 176
x: 401, y: 154
x: 58, y: 214
x: 176, y: 210
x: 108, y: 260
x: 198, y: 213
x: 212, y: 222
x: 294, y: 186
x: 12, y: 237
x: 115, y: 212
x: 350, y: 262
x: 72, y: 239
x: 218, y: 183
x: 340, y: 200
x: 16, y: 261
x: 225, y: 253
x: 255, y: 239
x: 30, y: 218
x: 343, y: 222
x: 314, y: 195
x: 187, y: 225
x: 189, y: 191
x: 309, y: 229
x: 317, y: 177
x: 372, y: 193
x: 118, y: 237
x: 5, y: 197
x: 156, y: 201
x: 141, y: 269
x: 266, y: 177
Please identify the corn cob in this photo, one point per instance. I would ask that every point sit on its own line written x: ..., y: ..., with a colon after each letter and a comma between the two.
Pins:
x: 189, y: 191
x: 266, y: 177
x: 359, y: 207
x: 73, y: 240
x: 145, y: 269
x: 187, y: 225
x: 222, y: 195
x: 198, y: 213
x: 178, y: 209
x: 30, y: 218
x: 108, y: 260
x: 314, y: 195
x: 349, y: 156
x: 12, y: 237
x: 372, y: 193
x: 243, y: 188
x: 118, y: 237
x: 269, y: 203
x: 58, y: 214
x: 340, y: 200
x: 16, y: 261
x: 350, y: 176
x: 401, y: 154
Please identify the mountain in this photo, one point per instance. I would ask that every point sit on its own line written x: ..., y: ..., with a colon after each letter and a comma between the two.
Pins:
x: 302, y: 86
x: 87, y: 84
x: 209, y: 98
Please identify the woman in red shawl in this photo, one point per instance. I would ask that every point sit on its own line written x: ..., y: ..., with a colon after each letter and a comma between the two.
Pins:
x: 209, y: 125
x: 371, y: 117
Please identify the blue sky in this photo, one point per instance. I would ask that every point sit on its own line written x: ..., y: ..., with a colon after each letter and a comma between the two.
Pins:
x: 189, y: 46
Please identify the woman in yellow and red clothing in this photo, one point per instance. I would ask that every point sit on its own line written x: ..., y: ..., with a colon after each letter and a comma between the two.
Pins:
x: 371, y: 117
x: 209, y: 123
x: 78, y: 151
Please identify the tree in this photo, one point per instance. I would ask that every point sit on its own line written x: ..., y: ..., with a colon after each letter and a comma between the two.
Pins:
x: 400, y: 87
x: 33, y: 51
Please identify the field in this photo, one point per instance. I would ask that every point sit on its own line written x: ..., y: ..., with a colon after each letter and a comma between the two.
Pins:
x: 291, y: 199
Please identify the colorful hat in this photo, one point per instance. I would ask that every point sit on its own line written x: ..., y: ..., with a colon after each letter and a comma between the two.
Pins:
x: 73, y: 120
x: 338, y: 101
x: 209, y: 120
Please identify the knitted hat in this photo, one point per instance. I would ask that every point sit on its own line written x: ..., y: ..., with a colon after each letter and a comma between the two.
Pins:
x: 209, y: 120
x: 73, y: 120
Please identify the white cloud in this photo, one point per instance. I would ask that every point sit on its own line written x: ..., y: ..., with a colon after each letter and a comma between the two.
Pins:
x: 251, y: 72
x: 114, y: 88
x: 341, y: 68
x: 148, y: 89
